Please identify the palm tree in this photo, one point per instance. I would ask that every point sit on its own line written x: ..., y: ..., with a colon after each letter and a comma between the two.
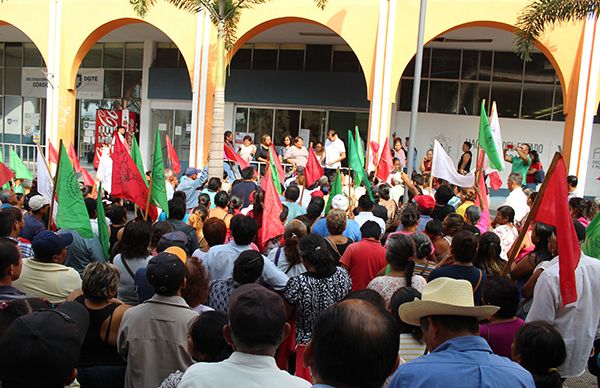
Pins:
x: 225, y: 15
x: 540, y: 14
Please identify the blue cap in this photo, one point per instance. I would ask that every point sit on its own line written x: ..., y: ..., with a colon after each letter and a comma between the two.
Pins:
x: 191, y: 171
x: 47, y: 244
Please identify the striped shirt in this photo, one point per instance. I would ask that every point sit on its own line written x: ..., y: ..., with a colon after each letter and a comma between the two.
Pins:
x: 423, y: 268
x: 410, y: 348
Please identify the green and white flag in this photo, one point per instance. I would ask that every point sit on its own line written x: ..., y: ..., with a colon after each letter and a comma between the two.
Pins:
x: 490, y: 139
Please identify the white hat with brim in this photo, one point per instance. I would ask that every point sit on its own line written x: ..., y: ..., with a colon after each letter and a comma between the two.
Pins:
x: 445, y: 296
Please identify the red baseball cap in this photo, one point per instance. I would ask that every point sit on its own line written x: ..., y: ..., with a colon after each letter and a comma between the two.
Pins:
x: 425, y: 202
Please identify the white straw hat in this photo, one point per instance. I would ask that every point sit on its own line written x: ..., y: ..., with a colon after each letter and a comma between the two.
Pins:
x: 445, y: 296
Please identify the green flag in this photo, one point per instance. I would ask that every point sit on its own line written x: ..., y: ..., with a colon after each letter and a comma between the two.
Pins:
x: 274, y: 173
x: 72, y: 213
x: 354, y: 160
x: 102, y: 225
x: 16, y: 164
x: 360, y: 146
x: 486, y: 141
x: 591, y: 245
x: 159, y: 187
x: 137, y: 158
x: 336, y: 188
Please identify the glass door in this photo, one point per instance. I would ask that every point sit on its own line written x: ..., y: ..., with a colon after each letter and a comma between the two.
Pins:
x: 177, y: 125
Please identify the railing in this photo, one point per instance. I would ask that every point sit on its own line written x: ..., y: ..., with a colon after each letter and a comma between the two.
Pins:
x: 27, y: 153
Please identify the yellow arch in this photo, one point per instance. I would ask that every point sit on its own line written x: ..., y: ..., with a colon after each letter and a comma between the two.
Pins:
x: 36, y: 28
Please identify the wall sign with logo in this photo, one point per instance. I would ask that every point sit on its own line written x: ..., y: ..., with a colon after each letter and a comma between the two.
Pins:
x: 90, y: 84
x: 33, y: 82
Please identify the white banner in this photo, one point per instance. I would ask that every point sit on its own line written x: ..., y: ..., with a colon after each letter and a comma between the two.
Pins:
x: 33, y: 82
x: 90, y: 84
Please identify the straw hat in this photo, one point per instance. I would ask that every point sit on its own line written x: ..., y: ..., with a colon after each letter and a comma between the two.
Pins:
x: 445, y: 296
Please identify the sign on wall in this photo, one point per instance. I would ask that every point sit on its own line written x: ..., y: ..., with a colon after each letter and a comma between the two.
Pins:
x: 90, y: 84
x: 33, y: 82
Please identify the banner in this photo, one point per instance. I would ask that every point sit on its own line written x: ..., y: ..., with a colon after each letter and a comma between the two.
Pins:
x: 106, y: 125
x: 90, y: 84
x: 33, y: 82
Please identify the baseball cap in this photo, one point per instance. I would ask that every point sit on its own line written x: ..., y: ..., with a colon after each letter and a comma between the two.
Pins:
x: 37, y: 202
x: 191, y: 171
x: 317, y: 193
x: 43, y: 348
x: 47, y: 244
x: 340, y: 202
x: 165, y: 272
x: 172, y: 239
x: 425, y: 202
x: 256, y: 315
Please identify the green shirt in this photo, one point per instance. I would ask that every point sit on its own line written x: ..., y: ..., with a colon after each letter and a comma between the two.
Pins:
x: 520, y: 166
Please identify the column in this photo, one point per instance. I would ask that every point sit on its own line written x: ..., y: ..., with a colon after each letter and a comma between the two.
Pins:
x: 146, y: 132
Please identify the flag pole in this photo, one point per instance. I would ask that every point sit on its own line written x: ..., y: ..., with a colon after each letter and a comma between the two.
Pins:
x: 514, y: 250
x: 149, y: 199
x: 60, y: 145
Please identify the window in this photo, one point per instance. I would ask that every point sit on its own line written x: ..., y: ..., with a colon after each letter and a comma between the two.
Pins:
x: 406, y: 90
x: 539, y: 70
x: 286, y: 121
x: 112, y: 83
x: 291, y: 57
x: 261, y: 121
x: 265, y: 57
x: 445, y: 64
x: 318, y: 57
x: 537, y: 102
x: 113, y: 55
x: 344, y: 59
x: 443, y: 97
x: 13, y: 54
x: 242, y: 58
x: 508, y: 98
x: 134, y: 55
x: 12, y: 81
x: 93, y: 59
x: 507, y: 67
x: 31, y: 56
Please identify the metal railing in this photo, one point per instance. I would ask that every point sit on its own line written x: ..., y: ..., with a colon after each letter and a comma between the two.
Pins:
x: 27, y: 153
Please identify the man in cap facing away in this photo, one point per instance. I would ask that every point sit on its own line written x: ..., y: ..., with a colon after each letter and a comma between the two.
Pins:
x: 257, y: 325
x: 458, y: 356
x: 153, y: 335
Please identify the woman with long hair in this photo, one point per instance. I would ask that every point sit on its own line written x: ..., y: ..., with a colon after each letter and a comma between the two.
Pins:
x: 221, y: 209
x: 540, y: 235
x: 487, y: 257
x: 582, y: 210
x: 134, y: 254
x: 287, y: 258
x: 534, y: 168
x: 504, y: 227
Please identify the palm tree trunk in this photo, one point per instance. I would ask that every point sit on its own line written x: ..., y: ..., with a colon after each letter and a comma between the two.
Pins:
x: 215, y: 163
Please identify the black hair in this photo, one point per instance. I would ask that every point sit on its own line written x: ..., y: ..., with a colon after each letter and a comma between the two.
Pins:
x: 284, y: 213
x: 507, y: 212
x: 248, y: 267
x: 370, y: 229
x: 535, y: 157
x: 248, y: 173
x: 443, y: 194
x: 410, y: 216
x: 384, y: 191
x: 315, y: 207
x: 259, y: 196
x: 401, y: 296
x: 292, y: 193
x: 453, y: 323
x: 365, y: 203
x: 581, y: 207
x: 206, y: 333
x: 468, y: 144
x: 313, y: 250
x: 454, y: 223
x: 247, y: 137
x: 423, y: 245
x: 235, y: 202
x: 579, y: 231
x: 214, y: 184
x: 487, y: 257
x: 180, y: 194
x: 204, y: 200
x: 17, y: 308
x: 464, y: 246
x: 159, y: 229
x: 399, y: 253
x: 418, y: 179
x: 541, y: 349
x: 221, y: 199
x: 90, y: 205
x: 434, y: 228
x: 10, y: 255
x: 214, y: 231
x: 7, y: 222
x: 503, y: 293
x: 177, y: 208
x: 370, y: 296
x: 226, y: 134
x: 243, y: 229
x: 135, y: 241
x: 116, y: 214
x: 345, y: 339
x: 572, y: 181
x: 543, y: 232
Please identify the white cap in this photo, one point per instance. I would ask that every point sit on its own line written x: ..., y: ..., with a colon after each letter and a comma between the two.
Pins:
x: 340, y: 202
x: 37, y: 202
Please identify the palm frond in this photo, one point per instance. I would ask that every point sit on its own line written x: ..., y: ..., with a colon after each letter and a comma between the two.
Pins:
x: 321, y: 3
x: 542, y: 14
x: 141, y: 7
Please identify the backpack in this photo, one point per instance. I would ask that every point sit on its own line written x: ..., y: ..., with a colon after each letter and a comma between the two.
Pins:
x: 539, y: 176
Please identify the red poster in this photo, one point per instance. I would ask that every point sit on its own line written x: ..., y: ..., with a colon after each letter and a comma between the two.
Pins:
x: 106, y: 125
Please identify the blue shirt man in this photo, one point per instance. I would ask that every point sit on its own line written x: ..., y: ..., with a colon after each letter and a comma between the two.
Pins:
x: 352, y: 229
x: 191, y: 183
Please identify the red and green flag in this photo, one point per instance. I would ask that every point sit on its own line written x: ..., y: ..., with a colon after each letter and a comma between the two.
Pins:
x: 272, y: 208
x: 136, y: 155
x: 103, y: 233
x: 357, y: 167
x: 158, y: 194
x: 273, y: 169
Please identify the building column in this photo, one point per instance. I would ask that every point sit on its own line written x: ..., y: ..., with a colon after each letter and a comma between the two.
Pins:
x: 583, y: 108
x: 53, y: 75
x: 146, y: 140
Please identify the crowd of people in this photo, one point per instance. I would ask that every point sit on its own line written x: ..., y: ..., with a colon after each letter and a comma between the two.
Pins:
x: 406, y: 286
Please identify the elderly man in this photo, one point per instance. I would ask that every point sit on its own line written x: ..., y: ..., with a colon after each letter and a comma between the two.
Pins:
x: 35, y: 222
x: 458, y: 357
x: 517, y: 198
x: 191, y: 183
x: 352, y: 230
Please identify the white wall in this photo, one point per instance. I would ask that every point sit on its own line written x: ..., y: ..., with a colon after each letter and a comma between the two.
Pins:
x: 229, y: 116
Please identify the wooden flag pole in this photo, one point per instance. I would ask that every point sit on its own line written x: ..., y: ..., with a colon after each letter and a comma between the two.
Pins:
x: 514, y: 250
x: 149, y: 199
x: 60, y: 145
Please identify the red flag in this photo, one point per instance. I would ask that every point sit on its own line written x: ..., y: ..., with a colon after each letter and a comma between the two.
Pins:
x: 6, y: 174
x: 313, y: 170
x: 234, y: 156
x: 375, y: 152
x: 481, y: 183
x: 87, y: 178
x: 386, y: 163
x: 272, y: 208
x: 52, y: 154
x: 495, y: 180
x: 172, y: 155
x: 278, y: 165
x: 127, y: 181
x: 554, y: 210
x: 73, y: 157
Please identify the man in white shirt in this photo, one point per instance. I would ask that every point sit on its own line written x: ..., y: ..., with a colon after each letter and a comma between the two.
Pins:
x: 335, y: 151
x: 517, y: 198
x: 257, y: 325
x: 577, y: 322
x: 365, y: 213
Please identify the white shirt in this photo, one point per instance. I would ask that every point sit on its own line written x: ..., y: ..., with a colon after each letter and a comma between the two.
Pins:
x: 283, y: 264
x: 518, y: 201
x: 577, y: 322
x: 333, y: 151
x: 240, y: 370
x: 363, y: 217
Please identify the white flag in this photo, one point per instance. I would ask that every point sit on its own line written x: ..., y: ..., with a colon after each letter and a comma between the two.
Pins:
x: 443, y: 167
x: 497, y: 136
x: 44, y: 180
x: 104, y: 173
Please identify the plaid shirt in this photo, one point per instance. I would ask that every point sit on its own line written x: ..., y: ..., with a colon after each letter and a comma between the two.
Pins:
x: 24, y: 246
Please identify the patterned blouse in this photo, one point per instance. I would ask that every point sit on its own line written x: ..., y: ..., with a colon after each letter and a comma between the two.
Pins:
x: 387, y: 285
x: 508, y: 234
x: 310, y: 295
x: 220, y: 290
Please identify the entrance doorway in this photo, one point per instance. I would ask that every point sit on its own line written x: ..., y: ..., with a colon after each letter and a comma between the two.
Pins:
x: 177, y: 124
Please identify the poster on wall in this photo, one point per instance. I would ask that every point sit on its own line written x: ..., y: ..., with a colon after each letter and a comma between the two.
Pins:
x: 90, y: 84
x: 33, y: 82
x: 106, y: 125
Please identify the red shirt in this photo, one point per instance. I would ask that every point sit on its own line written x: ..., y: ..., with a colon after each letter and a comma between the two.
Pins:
x: 363, y: 260
x: 531, y: 177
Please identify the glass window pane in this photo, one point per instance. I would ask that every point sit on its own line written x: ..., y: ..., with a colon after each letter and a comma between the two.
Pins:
x: 558, y: 105
x: 241, y: 120
x: 315, y: 121
x: 134, y: 55
x: 31, y: 55
x: 476, y: 65
x: 286, y: 121
x: 345, y: 61
x: 166, y: 57
x: 539, y: 70
x: 410, y: 68
x: 507, y: 97
x: 1, y: 54
x: 537, y: 102
x: 132, y: 83
x: 14, y: 54
x: 93, y: 59
x: 445, y: 64
x: 406, y: 89
x: 318, y: 57
x: 261, y: 121
x: 12, y: 118
x: 471, y: 94
x: 291, y: 59
x: 2, y: 122
x: 12, y: 81
x: 443, y: 97
x: 113, y: 55
x: 112, y: 83
x: 242, y: 59
x: 32, y: 119
x: 485, y: 66
x: 265, y: 59
x: 1, y: 80
x: 507, y: 67
x: 182, y: 140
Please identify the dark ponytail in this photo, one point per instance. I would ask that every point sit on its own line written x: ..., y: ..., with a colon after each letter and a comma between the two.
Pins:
x: 400, y: 250
x: 313, y: 250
